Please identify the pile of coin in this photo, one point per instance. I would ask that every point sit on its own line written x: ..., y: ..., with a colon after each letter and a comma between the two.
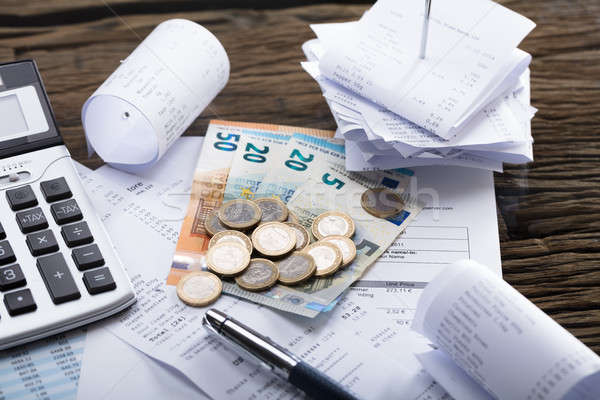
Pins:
x: 260, y: 243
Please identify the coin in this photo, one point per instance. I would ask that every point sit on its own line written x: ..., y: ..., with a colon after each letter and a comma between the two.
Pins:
x: 302, y: 235
x: 272, y: 209
x: 212, y: 224
x: 274, y: 239
x: 382, y: 202
x: 346, y: 246
x: 231, y: 236
x: 292, y: 217
x: 327, y: 256
x: 239, y: 214
x: 261, y: 274
x: 296, y: 268
x: 332, y: 223
x: 227, y: 258
x: 199, y: 288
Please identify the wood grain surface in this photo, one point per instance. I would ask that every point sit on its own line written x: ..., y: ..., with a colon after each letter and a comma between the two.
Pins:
x: 548, y: 211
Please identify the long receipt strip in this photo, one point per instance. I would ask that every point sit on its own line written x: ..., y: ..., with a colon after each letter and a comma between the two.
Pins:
x: 155, y: 94
x: 501, y: 340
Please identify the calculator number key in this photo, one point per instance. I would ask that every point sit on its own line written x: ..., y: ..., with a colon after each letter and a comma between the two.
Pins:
x: 55, y: 189
x: 58, y: 279
x: 99, y: 281
x: 77, y: 234
x: 7, y: 255
x: 66, y: 211
x: 11, y: 277
x: 40, y: 243
x: 19, y: 302
x: 21, y: 198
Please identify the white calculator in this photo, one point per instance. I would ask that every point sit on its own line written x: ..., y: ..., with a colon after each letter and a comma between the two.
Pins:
x: 58, y: 267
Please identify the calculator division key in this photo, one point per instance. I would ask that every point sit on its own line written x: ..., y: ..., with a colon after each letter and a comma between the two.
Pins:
x: 66, y: 211
x: 58, y: 278
x: 87, y: 257
x: 19, y: 302
x: 2, y: 232
x: 11, y: 277
x: 40, y: 243
x: 55, y: 189
x: 99, y: 281
x: 32, y: 220
x: 77, y: 234
x: 21, y: 198
x: 7, y: 255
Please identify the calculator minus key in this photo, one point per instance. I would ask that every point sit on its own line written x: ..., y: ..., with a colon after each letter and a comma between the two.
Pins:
x: 7, y: 255
x: 87, y: 257
x: 66, y: 211
x: 19, y: 302
x: 21, y: 198
x: 58, y: 278
x: 99, y: 281
x: 32, y: 220
x: 55, y: 189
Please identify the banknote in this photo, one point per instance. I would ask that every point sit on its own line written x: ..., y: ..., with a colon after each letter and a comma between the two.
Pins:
x: 331, y: 191
x: 251, y: 161
x: 208, y: 187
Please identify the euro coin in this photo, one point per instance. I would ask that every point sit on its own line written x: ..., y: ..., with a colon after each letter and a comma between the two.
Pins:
x: 296, y: 268
x: 239, y: 214
x: 382, y: 202
x: 346, y: 246
x: 272, y: 209
x: 261, y: 274
x: 327, y: 256
x: 332, y: 223
x: 212, y: 224
x: 231, y: 236
x: 274, y: 239
x: 292, y: 217
x: 227, y: 258
x: 302, y: 235
x: 199, y: 289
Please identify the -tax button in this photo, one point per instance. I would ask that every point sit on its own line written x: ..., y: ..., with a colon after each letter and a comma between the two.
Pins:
x: 66, y: 211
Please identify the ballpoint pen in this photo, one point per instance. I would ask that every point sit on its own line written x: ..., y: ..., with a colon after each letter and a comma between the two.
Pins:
x: 274, y: 357
x: 425, y: 28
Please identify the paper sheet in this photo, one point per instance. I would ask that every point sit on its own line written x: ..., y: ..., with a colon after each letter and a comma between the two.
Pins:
x: 155, y: 94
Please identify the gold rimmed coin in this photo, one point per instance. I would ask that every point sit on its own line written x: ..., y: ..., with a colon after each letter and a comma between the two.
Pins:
x: 346, y: 246
x: 302, y: 235
x: 292, y: 217
x: 261, y: 274
x: 382, y: 202
x: 212, y: 224
x: 328, y: 258
x: 227, y: 258
x: 272, y: 209
x: 333, y: 223
x: 239, y: 214
x: 199, y: 289
x: 231, y: 236
x: 274, y: 239
x: 296, y: 268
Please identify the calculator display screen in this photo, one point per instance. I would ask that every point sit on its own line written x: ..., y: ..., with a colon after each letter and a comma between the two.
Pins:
x: 13, y: 118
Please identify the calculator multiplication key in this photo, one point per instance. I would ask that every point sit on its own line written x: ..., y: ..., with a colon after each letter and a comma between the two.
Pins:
x: 87, y: 257
x: 32, y: 220
x: 66, y: 211
x: 7, y: 255
x: 21, y: 198
x: 11, y: 277
x: 55, y: 189
x: 77, y: 234
x: 99, y: 281
x: 19, y: 302
x: 43, y: 242
x: 58, y: 278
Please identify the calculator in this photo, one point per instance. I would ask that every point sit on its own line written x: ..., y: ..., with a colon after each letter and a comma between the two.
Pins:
x: 58, y: 267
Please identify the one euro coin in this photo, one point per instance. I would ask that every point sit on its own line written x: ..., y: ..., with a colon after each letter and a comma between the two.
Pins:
x: 296, y: 268
x: 212, y: 224
x: 272, y: 209
x: 274, y: 239
x: 302, y: 235
x: 328, y: 258
x: 231, y: 236
x: 261, y: 274
x: 382, y: 202
x: 239, y: 214
x: 227, y: 258
x: 333, y: 223
x: 199, y: 289
x: 346, y: 246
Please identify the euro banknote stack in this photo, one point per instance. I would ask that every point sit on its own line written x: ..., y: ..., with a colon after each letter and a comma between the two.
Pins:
x: 467, y: 103
x: 304, y: 168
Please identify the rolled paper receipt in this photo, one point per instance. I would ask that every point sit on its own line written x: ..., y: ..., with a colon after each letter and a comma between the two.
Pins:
x: 155, y: 94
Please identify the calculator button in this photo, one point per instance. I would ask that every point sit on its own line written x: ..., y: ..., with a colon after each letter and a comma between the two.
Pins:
x: 42, y: 242
x: 65, y: 212
x: 11, y: 277
x: 20, y: 302
x: 7, y: 255
x: 98, y: 281
x: 32, y: 220
x: 58, y: 279
x: 87, y: 257
x: 55, y: 189
x: 21, y: 198
x: 2, y: 232
x: 77, y: 234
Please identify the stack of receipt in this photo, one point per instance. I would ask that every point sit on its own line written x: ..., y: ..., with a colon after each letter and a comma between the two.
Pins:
x: 467, y: 103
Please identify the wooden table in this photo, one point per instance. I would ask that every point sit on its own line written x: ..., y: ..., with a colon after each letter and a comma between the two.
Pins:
x: 548, y: 211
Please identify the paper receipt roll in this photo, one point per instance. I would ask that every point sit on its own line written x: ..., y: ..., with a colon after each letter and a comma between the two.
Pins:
x: 155, y: 94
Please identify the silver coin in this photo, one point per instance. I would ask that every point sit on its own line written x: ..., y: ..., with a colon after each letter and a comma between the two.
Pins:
x: 296, y: 268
